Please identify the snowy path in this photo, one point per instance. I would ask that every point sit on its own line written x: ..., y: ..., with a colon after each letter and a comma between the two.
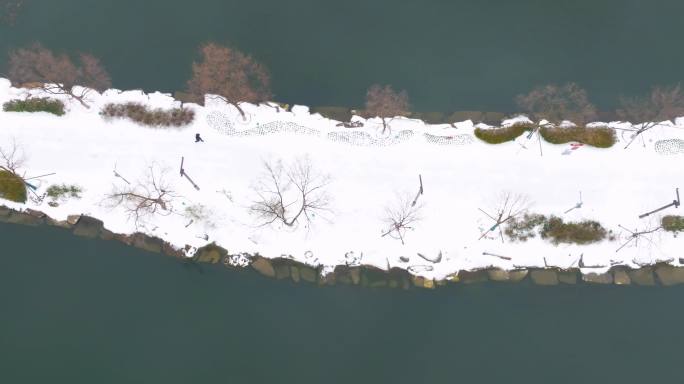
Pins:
x: 616, y: 184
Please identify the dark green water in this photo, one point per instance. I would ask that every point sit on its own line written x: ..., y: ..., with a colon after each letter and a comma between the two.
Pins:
x: 449, y: 54
x: 74, y: 310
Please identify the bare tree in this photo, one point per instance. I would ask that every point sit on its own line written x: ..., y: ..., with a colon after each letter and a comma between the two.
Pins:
x: 509, y: 206
x: 230, y: 74
x: 401, y: 217
x: 152, y: 195
x: 663, y: 103
x: 557, y: 103
x: 384, y: 102
x: 57, y: 74
x: 9, y: 9
x: 12, y: 157
x: 289, y: 193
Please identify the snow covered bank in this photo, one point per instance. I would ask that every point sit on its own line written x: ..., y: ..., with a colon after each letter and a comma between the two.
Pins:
x: 461, y: 175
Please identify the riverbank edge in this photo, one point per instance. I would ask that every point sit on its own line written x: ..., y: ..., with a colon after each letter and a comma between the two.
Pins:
x: 363, y: 275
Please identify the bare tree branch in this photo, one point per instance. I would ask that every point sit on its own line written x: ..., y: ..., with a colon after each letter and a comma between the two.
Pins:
x: 12, y: 157
x: 57, y: 74
x: 557, y: 103
x: 402, y: 216
x: 289, y: 194
x: 509, y: 206
x: 150, y: 196
x: 384, y: 102
x: 230, y: 74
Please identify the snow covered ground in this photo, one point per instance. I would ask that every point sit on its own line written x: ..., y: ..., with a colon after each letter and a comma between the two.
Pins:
x: 368, y: 170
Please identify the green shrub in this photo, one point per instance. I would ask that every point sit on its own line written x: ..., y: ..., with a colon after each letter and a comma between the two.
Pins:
x: 584, y: 232
x: 12, y: 187
x: 64, y: 191
x: 502, y: 135
x: 524, y: 228
x: 596, y: 137
x: 673, y: 223
x: 35, y: 104
x: 141, y: 114
x: 335, y: 113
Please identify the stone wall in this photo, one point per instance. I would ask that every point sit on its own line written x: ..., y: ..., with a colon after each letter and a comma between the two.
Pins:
x: 366, y: 276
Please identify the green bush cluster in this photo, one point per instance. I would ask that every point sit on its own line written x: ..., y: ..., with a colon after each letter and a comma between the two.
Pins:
x: 502, y: 135
x: 62, y: 190
x: 583, y: 232
x: 524, y: 228
x: 12, y: 187
x: 554, y: 229
x: 673, y: 223
x: 596, y: 137
x: 35, y: 104
x: 141, y: 114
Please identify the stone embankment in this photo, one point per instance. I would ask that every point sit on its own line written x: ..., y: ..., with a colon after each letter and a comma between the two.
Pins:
x: 367, y: 276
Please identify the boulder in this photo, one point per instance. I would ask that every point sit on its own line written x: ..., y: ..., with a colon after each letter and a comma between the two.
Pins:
x: 471, y: 277
x: 209, y: 255
x: 497, y: 274
x: 355, y: 274
x: 73, y: 219
x: 642, y: 276
x: 620, y: 277
x: 282, y: 271
x: 23, y: 219
x: 4, y: 211
x: 568, y: 277
x: 518, y: 275
x: 544, y: 277
x: 88, y: 227
x: 670, y: 275
x: 308, y: 274
x: 598, y: 278
x: 151, y: 244
x: 294, y: 273
x: 263, y: 266
x: 106, y: 234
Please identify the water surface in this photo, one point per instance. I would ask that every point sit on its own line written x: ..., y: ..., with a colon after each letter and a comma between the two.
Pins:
x: 81, y: 310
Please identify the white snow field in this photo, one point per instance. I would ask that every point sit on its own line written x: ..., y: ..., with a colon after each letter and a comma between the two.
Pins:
x: 367, y: 170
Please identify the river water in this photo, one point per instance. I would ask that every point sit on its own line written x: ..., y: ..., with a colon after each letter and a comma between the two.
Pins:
x: 449, y: 54
x: 80, y: 310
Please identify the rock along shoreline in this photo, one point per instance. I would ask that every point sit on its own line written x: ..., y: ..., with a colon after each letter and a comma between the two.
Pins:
x: 363, y: 275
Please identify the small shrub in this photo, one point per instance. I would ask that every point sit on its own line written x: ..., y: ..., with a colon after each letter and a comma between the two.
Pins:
x: 502, y: 135
x: 584, y: 232
x: 35, y: 104
x: 141, y: 114
x: 596, y: 137
x: 673, y: 223
x: 12, y: 187
x: 56, y: 192
x: 524, y: 228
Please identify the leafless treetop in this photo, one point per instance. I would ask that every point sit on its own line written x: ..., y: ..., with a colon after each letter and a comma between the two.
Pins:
x: 664, y: 103
x: 401, y: 217
x: 230, y: 74
x: 557, y: 103
x: 57, y: 73
x: 290, y: 193
x: 12, y: 157
x: 384, y: 102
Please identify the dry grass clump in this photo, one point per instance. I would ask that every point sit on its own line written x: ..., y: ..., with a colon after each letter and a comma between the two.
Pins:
x: 502, y: 135
x: 175, y: 117
x: 583, y: 232
x: 524, y: 228
x: 597, y: 137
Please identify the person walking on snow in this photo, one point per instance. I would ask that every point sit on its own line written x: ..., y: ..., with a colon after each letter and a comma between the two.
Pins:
x: 198, y: 138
